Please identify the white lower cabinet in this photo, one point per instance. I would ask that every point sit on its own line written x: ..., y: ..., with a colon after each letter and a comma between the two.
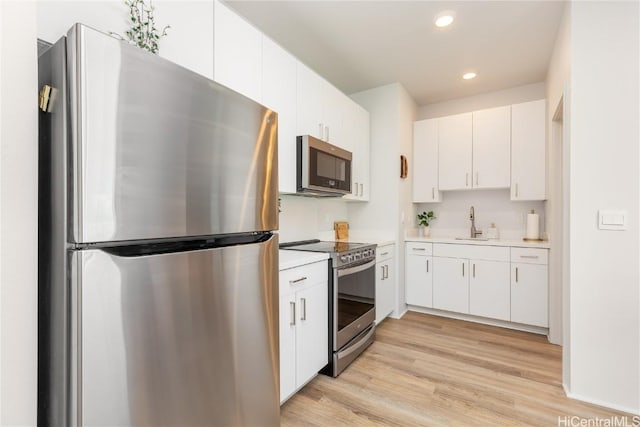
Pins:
x: 494, y: 282
x: 529, y: 287
x: 385, y: 281
x: 451, y: 284
x: 419, y: 274
x: 303, y: 325
x: 489, y: 291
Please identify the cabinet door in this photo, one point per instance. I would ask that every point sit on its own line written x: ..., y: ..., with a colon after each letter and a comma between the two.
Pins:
x: 489, y: 289
x: 309, y: 102
x: 237, y: 53
x: 529, y: 294
x: 492, y: 148
x: 454, y: 148
x: 279, y: 94
x: 528, y: 151
x: 419, y: 280
x: 356, y: 129
x: 335, y: 105
x: 425, y: 161
x: 451, y: 284
x: 385, y: 289
x: 312, y: 334
x: 287, y: 346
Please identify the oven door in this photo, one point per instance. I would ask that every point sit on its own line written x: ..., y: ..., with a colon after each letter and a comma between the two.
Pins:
x: 354, y: 301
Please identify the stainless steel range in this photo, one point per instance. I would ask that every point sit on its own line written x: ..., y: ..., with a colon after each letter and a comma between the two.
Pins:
x: 351, y: 299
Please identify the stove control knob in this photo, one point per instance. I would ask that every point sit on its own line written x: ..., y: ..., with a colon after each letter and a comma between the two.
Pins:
x: 344, y: 258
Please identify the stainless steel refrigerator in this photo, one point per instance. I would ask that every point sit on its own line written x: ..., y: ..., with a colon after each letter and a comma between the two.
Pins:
x: 158, y: 278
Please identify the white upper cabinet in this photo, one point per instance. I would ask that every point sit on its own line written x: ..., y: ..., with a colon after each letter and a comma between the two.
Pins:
x: 425, y: 162
x: 335, y: 105
x: 321, y: 109
x: 492, y: 148
x: 355, y: 132
x: 528, y: 151
x: 455, y: 152
x: 237, y: 49
x: 309, y: 99
x: 279, y: 94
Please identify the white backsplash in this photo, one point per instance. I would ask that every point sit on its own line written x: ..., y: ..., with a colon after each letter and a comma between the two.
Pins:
x: 303, y: 218
x: 489, y: 205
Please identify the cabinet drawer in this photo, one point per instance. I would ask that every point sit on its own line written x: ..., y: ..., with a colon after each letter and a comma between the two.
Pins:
x: 419, y: 248
x: 385, y: 252
x: 529, y: 255
x: 294, y: 279
x: 486, y: 253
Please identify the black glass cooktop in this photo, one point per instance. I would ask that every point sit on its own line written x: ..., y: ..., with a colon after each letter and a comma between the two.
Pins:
x: 319, y: 246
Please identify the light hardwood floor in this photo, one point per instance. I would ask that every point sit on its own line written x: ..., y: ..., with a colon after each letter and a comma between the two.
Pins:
x: 426, y: 370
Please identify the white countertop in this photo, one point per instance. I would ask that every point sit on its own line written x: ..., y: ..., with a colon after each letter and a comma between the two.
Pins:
x: 491, y: 242
x: 291, y: 259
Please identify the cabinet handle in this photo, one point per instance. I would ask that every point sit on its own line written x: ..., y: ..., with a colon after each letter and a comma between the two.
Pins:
x: 529, y: 256
x: 292, y: 306
x: 326, y: 129
x: 320, y: 130
x: 297, y: 280
x: 476, y: 178
x: 433, y: 193
x: 384, y: 253
x: 382, y: 272
x: 304, y: 308
x: 361, y: 190
x: 516, y: 274
x: 516, y: 190
x: 466, y: 179
x: 356, y: 193
x: 474, y: 270
x: 463, y: 269
x: 427, y: 265
x: 419, y: 249
x: 386, y: 271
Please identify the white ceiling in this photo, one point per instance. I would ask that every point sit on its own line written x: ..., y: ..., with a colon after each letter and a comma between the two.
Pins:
x: 358, y: 45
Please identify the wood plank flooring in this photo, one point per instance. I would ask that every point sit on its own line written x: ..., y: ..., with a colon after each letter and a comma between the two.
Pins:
x: 426, y: 370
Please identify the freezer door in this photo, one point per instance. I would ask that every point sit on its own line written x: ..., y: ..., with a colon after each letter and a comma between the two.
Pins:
x: 159, y: 151
x: 181, y: 339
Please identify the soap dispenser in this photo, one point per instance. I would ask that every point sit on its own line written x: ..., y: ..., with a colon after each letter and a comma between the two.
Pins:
x: 492, y: 232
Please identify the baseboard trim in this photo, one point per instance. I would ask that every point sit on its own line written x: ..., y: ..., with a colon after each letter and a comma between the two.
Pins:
x: 476, y: 319
x: 632, y: 411
x: 395, y: 316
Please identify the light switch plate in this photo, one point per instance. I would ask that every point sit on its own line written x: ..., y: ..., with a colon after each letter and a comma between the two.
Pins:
x: 612, y: 220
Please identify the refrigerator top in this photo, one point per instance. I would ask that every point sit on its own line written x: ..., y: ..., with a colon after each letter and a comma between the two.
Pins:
x: 158, y: 151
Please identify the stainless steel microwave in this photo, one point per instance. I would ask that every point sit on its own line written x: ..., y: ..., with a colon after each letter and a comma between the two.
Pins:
x: 323, y: 170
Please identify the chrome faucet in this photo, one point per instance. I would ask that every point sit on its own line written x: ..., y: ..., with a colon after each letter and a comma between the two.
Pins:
x: 472, y: 216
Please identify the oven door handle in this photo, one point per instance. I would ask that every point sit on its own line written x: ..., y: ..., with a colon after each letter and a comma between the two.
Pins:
x: 356, y: 269
x: 356, y: 344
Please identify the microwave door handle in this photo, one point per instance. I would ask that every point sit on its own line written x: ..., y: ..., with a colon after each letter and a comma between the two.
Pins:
x: 356, y: 269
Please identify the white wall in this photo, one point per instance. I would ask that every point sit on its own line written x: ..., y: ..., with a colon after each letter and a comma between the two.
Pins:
x: 491, y: 206
x: 557, y: 78
x: 604, y: 155
x: 189, y: 41
x: 18, y: 213
x: 514, y: 95
x: 304, y: 218
x: 406, y: 116
x: 382, y: 209
x: 392, y: 112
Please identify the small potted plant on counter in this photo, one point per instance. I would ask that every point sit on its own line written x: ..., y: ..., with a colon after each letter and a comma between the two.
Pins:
x: 424, y: 219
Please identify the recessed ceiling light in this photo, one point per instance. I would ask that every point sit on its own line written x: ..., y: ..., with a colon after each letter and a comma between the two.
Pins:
x: 444, y: 18
x: 469, y: 76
